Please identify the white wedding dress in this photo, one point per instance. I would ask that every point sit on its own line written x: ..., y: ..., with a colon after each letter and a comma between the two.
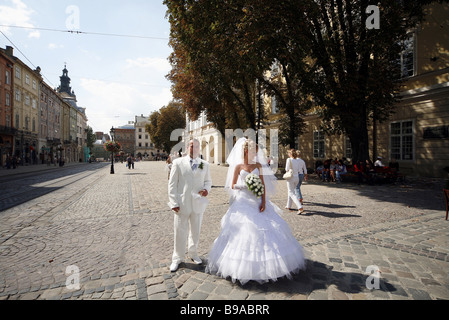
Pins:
x: 254, y: 245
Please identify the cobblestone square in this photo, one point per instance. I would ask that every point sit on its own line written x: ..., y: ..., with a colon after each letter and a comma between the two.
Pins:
x: 118, y: 230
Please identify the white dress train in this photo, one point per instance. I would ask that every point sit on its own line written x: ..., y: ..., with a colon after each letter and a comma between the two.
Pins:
x: 254, y: 245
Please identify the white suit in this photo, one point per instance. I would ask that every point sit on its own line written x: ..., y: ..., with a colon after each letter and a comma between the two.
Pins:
x: 183, y: 187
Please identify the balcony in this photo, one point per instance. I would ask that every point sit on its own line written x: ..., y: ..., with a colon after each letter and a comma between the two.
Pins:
x: 8, y: 130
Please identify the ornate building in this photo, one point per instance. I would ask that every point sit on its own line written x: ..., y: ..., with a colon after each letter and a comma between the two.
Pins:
x: 75, y: 145
x: 7, y: 130
x: 144, y: 146
x: 26, y: 112
x: 126, y: 136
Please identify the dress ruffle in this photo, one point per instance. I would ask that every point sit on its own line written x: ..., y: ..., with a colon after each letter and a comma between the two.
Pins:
x: 254, y: 245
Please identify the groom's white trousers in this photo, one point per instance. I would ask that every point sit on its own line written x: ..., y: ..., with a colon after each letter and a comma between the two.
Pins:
x: 182, y: 222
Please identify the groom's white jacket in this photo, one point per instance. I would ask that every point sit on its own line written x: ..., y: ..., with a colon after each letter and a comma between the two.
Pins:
x: 184, y: 182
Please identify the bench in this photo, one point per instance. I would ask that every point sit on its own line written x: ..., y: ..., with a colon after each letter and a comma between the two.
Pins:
x: 380, y: 175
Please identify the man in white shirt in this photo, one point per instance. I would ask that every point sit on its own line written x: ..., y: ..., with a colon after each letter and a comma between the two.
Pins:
x: 378, y: 162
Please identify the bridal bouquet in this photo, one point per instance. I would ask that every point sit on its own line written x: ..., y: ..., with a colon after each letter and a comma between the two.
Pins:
x: 254, y: 184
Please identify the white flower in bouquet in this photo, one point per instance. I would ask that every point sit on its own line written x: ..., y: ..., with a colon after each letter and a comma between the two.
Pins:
x: 254, y: 184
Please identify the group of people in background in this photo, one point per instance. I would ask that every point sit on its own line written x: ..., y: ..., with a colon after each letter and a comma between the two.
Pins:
x: 332, y: 169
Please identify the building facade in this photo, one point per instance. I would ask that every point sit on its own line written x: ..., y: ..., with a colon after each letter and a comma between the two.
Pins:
x: 126, y: 136
x: 75, y: 145
x: 7, y: 131
x: 26, y: 111
x: 212, y: 147
x: 417, y: 134
x: 50, y: 108
x: 38, y: 123
x: 144, y: 146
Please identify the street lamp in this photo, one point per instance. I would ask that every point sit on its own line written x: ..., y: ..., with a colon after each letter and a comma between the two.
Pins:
x: 112, y: 153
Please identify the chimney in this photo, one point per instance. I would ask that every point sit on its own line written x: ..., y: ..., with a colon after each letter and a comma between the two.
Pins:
x: 9, y: 51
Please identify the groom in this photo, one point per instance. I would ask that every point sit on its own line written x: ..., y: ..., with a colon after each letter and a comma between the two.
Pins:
x: 188, y: 186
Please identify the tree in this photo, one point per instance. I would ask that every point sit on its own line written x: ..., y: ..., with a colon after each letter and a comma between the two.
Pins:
x: 355, y: 75
x: 327, y: 56
x: 91, y: 138
x: 163, y: 123
x: 211, y: 70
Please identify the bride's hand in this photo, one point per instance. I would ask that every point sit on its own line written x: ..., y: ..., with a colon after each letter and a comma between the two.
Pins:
x: 262, y: 207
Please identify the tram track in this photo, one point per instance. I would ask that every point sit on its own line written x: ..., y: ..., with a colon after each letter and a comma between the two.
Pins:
x: 45, y: 216
x: 26, y: 187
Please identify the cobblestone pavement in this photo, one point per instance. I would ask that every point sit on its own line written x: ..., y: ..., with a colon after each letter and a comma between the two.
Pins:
x: 118, y: 232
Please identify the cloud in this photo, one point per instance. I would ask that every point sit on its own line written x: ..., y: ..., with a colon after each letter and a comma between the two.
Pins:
x: 17, y: 14
x: 156, y: 64
x: 53, y: 46
x: 114, y: 104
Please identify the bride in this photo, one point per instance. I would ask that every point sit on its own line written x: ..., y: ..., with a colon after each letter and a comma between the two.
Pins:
x: 255, y: 243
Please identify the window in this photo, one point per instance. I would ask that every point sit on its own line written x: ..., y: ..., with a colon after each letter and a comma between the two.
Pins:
x: 8, y: 99
x: 34, y: 84
x: 8, y: 121
x: 18, y: 73
x: 407, y: 56
x: 27, y: 79
x: 401, y: 140
x: 318, y: 144
x: 17, y: 121
x: 7, y: 79
x: 17, y: 95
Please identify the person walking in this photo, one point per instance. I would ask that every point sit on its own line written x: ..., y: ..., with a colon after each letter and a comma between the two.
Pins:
x: 293, y: 164
x: 302, y: 175
x: 255, y: 243
x: 128, y: 161
x: 188, y: 186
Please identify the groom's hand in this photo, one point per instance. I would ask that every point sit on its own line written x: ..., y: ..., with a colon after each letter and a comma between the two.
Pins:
x: 176, y: 209
x: 203, y: 193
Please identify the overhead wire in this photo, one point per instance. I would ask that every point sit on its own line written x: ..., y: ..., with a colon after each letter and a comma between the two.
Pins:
x: 18, y: 49
x: 86, y: 32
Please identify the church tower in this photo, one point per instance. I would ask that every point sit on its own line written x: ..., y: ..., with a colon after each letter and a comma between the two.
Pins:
x: 65, y: 83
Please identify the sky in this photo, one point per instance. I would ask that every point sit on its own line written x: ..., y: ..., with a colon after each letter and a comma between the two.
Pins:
x: 114, y: 77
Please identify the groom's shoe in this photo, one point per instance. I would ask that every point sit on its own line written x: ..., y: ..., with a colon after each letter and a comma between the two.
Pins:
x: 174, y: 266
x: 196, y: 260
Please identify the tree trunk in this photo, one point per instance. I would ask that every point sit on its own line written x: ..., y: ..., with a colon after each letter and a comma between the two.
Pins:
x: 359, y: 144
x: 358, y: 135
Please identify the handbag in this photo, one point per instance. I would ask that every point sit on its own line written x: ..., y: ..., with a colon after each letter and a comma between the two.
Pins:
x: 288, y: 175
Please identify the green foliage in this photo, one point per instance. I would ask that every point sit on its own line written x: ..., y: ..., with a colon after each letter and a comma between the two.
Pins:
x: 327, y: 57
x: 163, y: 123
